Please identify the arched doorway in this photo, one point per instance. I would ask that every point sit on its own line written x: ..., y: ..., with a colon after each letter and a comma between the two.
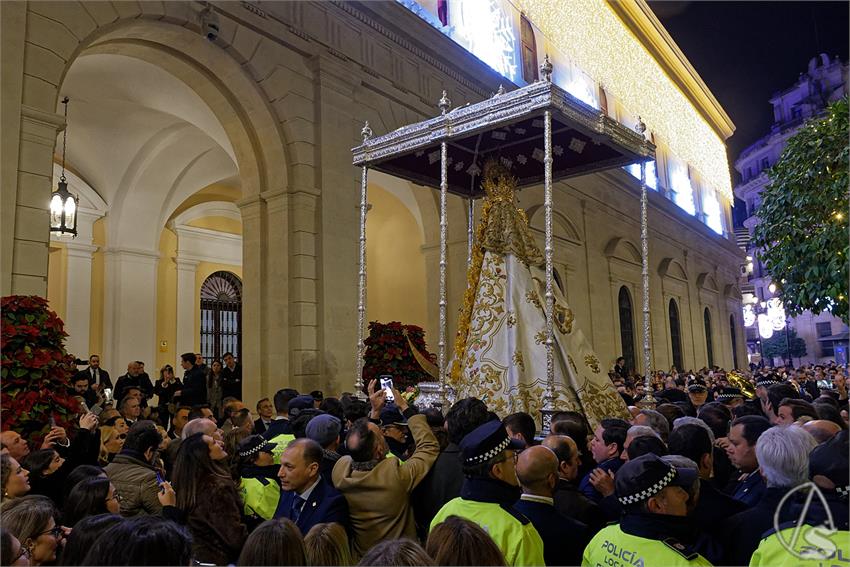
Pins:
x: 709, y: 347
x: 627, y: 327
x: 221, y: 316
x: 675, y: 335
x: 734, y: 338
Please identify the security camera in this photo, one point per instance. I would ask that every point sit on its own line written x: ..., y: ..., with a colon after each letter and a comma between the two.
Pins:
x: 209, y: 24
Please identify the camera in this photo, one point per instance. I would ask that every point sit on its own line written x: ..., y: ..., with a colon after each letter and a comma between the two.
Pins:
x: 210, y: 25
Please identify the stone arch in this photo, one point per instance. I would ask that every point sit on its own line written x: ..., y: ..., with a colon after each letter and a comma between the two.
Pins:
x: 707, y: 282
x: 732, y: 291
x: 562, y: 226
x: 670, y: 267
x: 624, y: 249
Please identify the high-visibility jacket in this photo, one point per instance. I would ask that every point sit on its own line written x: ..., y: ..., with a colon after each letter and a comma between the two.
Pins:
x: 513, y: 532
x: 282, y: 441
x: 612, y: 547
x: 815, y: 546
x: 260, y: 496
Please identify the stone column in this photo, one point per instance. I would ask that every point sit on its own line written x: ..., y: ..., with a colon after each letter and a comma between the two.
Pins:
x: 187, y: 329
x: 78, y: 309
x: 255, y: 381
x: 129, y: 313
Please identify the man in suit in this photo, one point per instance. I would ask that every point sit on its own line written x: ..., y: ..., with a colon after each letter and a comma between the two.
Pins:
x: 564, y: 539
x: 135, y: 378
x: 231, y: 377
x: 98, y: 377
x: 265, y: 409
x: 305, y: 499
x: 194, y: 390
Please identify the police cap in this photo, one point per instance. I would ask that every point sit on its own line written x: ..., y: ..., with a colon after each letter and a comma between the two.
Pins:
x: 645, y: 476
x: 487, y: 441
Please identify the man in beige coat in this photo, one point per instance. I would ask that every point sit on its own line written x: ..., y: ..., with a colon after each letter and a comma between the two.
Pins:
x: 378, y: 488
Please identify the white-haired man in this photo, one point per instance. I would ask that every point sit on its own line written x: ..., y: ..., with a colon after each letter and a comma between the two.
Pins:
x: 783, y: 457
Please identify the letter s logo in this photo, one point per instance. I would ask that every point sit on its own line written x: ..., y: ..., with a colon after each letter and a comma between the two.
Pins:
x: 821, y: 546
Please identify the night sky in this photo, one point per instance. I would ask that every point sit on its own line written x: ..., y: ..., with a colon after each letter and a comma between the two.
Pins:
x: 747, y: 51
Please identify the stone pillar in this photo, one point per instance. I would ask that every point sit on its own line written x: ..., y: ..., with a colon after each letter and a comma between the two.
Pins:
x: 78, y: 307
x: 187, y: 329
x: 129, y: 313
x: 255, y: 377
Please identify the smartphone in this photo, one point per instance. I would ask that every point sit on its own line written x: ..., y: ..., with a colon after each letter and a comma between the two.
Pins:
x: 52, y: 422
x: 159, y: 481
x: 387, y: 386
x: 107, y: 395
x: 96, y: 409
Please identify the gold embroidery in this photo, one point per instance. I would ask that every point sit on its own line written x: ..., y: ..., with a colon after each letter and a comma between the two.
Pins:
x: 518, y: 361
x: 511, y: 319
x: 532, y: 297
x: 563, y: 319
x: 540, y: 338
x: 572, y: 364
x: 592, y: 362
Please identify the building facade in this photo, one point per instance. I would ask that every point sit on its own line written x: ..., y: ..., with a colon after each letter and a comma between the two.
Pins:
x: 209, y: 144
x: 824, y: 81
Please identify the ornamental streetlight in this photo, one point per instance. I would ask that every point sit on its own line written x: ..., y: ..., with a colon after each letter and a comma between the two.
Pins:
x: 63, y: 205
x: 769, y: 316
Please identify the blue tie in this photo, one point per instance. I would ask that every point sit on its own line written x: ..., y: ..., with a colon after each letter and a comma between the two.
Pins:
x: 297, y: 506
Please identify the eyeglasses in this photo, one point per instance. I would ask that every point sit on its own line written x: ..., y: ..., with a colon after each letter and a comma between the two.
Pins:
x: 122, y: 436
x: 55, y: 531
x: 117, y: 497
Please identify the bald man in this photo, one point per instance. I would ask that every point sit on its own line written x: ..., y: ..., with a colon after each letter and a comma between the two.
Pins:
x: 569, y: 501
x: 564, y: 539
x: 821, y: 429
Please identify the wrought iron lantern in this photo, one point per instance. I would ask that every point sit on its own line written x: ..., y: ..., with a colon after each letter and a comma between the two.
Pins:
x: 63, y: 205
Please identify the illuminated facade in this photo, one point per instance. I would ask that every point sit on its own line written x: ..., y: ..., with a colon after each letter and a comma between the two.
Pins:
x: 209, y: 138
x: 824, y: 81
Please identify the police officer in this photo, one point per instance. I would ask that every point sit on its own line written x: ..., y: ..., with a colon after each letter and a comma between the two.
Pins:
x: 490, y: 491
x: 259, y: 486
x: 654, y: 496
x: 822, y: 537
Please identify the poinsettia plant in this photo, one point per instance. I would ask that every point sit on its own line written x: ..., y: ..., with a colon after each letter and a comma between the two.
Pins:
x: 36, y: 369
x: 388, y: 352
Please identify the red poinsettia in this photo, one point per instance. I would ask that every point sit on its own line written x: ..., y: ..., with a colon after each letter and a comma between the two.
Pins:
x: 36, y: 370
x: 388, y: 352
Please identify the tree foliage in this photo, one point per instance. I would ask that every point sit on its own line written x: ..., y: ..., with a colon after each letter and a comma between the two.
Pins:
x: 777, y: 346
x: 802, y: 230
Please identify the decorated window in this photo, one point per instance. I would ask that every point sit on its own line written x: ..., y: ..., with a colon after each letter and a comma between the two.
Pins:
x: 713, y: 212
x: 675, y: 335
x: 484, y: 28
x: 627, y: 327
x: 529, y: 51
x: 709, y: 347
x: 680, y: 183
x: 221, y: 316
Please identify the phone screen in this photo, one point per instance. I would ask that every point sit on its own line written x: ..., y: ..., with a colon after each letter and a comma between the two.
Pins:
x: 387, y: 386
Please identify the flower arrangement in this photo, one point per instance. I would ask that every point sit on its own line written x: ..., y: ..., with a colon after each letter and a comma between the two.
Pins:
x: 36, y: 370
x: 388, y: 352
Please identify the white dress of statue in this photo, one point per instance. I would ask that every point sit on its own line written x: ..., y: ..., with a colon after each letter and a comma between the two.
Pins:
x: 500, y: 348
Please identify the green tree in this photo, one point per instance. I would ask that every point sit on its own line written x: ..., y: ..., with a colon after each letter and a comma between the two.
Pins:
x: 802, y: 230
x: 777, y: 347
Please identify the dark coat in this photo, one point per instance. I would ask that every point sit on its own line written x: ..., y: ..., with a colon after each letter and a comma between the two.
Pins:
x: 259, y: 426
x: 194, y: 387
x: 105, y: 382
x: 325, y: 504
x: 142, y: 382
x: 750, y: 490
x: 278, y: 427
x: 715, y: 507
x: 564, y: 539
x: 743, y: 531
x: 215, y: 522
x: 231, y: 382
x: 571, y: 503
x: 587, y: 489
x: 442, y: 483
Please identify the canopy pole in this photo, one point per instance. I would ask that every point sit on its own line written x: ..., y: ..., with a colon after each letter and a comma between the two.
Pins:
x: 549, y: 396
x: 470, y: 229
x: 444, y: 105
x: 361, y: 273
x: 648, y: 399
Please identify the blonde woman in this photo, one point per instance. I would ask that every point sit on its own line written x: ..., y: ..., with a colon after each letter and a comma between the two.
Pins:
x: 327, y: 544
x: 111, y: 443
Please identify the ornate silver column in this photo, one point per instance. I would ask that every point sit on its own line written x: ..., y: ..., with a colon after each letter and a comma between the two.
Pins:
x: 361, y: 281
x: 549, y: 396
x: 648, y: 399
x: 444, y: 105
x: 470, y: 229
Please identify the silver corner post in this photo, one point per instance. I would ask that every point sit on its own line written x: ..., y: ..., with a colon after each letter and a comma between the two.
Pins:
x: 648, y: 400
x: 546, y: 69
x: 549, y: 398
x: 470, y: 229
x: 366, y: 132
x: 444, y: 105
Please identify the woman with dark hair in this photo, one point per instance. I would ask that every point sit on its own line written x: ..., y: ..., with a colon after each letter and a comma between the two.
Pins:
x: 457, y: 541
x: 14, y: 479
x: 214, y: 394
x: 207, y: 496
x: 11, y: 550
x: 165, y: 388
x: 81, y: 473
x: 142, y: 540
x: 402, y: 552
x: 33, y: 520
x: 89, y: 498
x: 274, y: 542
x: 84, y: 535
x: 43, y: 465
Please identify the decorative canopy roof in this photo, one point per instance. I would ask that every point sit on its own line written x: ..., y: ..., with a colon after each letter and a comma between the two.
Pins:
x: 509, y: 127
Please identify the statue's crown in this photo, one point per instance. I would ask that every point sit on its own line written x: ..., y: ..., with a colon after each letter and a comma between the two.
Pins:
x: 498, y: 182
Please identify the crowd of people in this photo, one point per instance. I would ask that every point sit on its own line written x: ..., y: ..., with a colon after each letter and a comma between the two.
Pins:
x: 180, y: 472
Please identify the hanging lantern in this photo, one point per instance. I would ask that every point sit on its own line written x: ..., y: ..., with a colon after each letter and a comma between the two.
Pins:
x: 63, y: 205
